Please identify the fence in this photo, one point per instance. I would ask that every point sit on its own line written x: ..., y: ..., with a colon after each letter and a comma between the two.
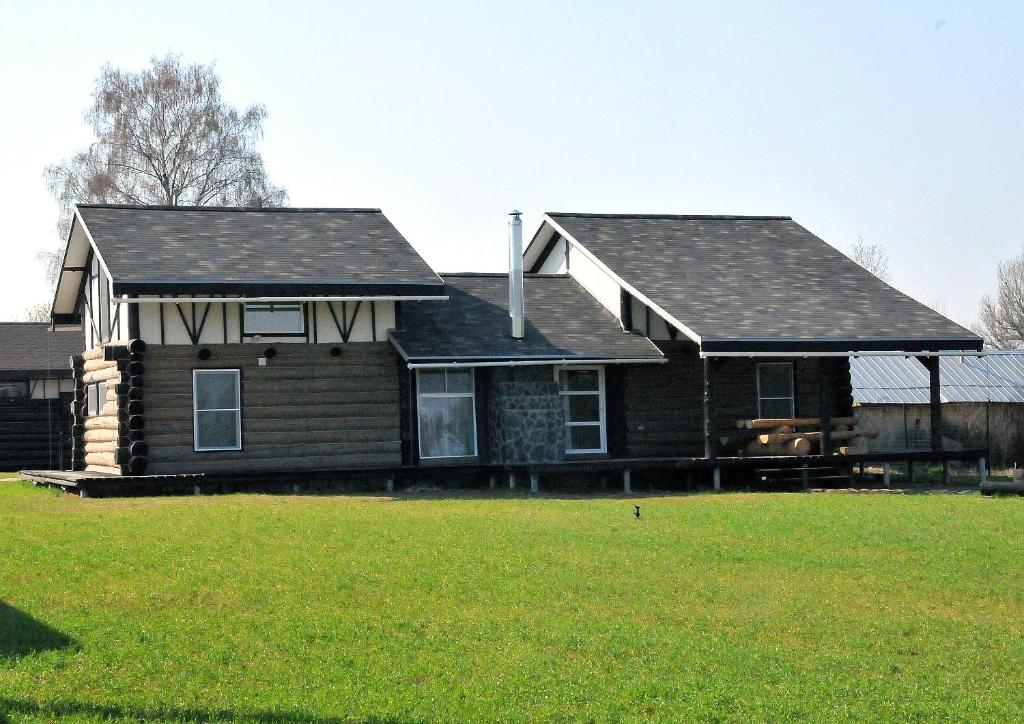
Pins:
x: 996, y: 427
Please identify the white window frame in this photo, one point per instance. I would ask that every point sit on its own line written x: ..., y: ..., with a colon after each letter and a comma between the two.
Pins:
x: 92, y: 394
x: 196, y: 410
x: 420, y: 395
x: 792, y: 388
x: 602, y: 408
x: 301, y: 332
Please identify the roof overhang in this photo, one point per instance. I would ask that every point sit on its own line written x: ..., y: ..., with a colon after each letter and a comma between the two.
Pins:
x: 838, y: 347
x: 421, y: 363
x: 74, y: 271
x: 292, y: 291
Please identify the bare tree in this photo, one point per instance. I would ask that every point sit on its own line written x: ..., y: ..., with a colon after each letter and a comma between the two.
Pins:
x: 39, y: 312
x: 872, y: 257
x: 1001, y: 319
x: 164, y: 135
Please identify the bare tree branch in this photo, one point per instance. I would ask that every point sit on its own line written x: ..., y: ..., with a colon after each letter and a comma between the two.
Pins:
x: 872, y: 257
x: 1001, y: 319
x: 164, y: 135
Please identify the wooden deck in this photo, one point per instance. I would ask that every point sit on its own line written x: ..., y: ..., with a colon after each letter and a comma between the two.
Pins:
x: 701, y: 471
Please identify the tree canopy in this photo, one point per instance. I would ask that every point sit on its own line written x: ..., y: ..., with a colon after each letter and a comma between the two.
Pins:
x: 164, y: 135
x: 1001, y: 318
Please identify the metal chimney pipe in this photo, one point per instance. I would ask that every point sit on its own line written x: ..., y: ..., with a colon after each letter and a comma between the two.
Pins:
x: 515, y: 274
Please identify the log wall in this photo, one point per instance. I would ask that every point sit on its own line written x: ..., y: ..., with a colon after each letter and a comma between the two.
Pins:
x: 113, y: 440
x: 664, y: 403
x: 305, y: 409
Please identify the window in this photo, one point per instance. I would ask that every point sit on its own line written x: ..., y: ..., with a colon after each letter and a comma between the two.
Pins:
x: 583, y: 406
x: 775, y: 390
x: 217, y: 410
x: 273, y: 319
x: 447, y: 413
x: 95, y: 398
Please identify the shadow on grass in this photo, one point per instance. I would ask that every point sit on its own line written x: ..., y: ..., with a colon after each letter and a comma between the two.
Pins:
x: 61, y: 710
x: 20, y: 634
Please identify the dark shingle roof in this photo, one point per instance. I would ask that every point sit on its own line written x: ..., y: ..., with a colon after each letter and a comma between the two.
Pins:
x: 996, y: 377
x: 765, y: 281
x: 562, y: 322
x: 215, y: 245
x: 32, y: 347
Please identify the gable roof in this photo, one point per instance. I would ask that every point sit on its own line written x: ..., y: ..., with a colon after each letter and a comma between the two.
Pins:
x: 267, y: 251
x: 996, y: 377
x: 563, y: 322
x: 757, y: 283
x: 27, y: 347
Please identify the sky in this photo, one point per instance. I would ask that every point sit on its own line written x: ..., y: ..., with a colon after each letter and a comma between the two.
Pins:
x: 899, y: 123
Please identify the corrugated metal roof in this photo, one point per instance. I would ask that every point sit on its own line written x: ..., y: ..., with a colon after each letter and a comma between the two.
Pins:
x: 996, y: 377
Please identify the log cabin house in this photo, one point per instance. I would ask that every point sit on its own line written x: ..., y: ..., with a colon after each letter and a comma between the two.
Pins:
x: 248, y: 342
x: 36, y: 389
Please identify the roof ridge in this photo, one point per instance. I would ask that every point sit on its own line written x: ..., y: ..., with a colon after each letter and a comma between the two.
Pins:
x: 682, y: 217
x: 274, y: 209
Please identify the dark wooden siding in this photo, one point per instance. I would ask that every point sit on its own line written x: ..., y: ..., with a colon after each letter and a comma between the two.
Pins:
x: 304, y: 410
x: 35, y: 434
x: 664, y: 403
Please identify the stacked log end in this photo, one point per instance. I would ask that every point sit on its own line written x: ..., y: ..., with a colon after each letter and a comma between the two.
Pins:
x: 113, y: 440
x: 78, y: 415
x: 781, y: 436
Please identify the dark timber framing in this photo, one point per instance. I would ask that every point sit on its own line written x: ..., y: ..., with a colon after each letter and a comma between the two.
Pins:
x: 195, y: 330
x: 826, y: 379
x: 626, y: 309
x: 710, y: 433
x: 934, y: 400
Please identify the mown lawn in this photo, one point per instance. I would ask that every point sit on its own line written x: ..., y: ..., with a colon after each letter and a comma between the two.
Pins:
x: 726, y: 607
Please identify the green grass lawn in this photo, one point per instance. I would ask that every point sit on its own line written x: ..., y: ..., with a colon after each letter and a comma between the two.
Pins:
x: 726, y: 607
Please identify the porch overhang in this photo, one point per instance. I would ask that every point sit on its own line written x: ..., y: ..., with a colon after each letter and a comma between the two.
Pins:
x: 840, y: 348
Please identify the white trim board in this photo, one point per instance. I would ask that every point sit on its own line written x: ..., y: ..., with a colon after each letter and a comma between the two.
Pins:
x: 619, y: 280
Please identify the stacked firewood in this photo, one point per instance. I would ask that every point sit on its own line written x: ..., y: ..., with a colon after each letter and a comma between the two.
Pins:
x: 112, y: 440
x: 796, y: 436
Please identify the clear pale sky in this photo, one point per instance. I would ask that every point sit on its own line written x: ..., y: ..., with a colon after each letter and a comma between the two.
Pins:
x: 902, y: 123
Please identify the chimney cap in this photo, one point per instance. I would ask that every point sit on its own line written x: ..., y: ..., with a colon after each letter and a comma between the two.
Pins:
x: 515, y: 212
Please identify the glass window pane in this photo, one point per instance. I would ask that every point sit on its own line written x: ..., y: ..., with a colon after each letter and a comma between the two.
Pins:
x: 217, y: 430
x: 431, y: 382
x: 582, y: 408
x: 586, y: 437
x: 216, y: 390
x: 776, y: 408
x: 776, y: 380
x: 270, y: 318
x: 460, y: 381
x: 579, y: 380
x: 446, y: 426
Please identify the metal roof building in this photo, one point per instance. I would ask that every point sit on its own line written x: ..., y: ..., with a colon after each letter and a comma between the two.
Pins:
x: 996, y: 377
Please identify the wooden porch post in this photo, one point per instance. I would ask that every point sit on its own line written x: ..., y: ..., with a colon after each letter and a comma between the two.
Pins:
x: 710, y: 436
x: 934, y: 400
x: 825, y: 379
